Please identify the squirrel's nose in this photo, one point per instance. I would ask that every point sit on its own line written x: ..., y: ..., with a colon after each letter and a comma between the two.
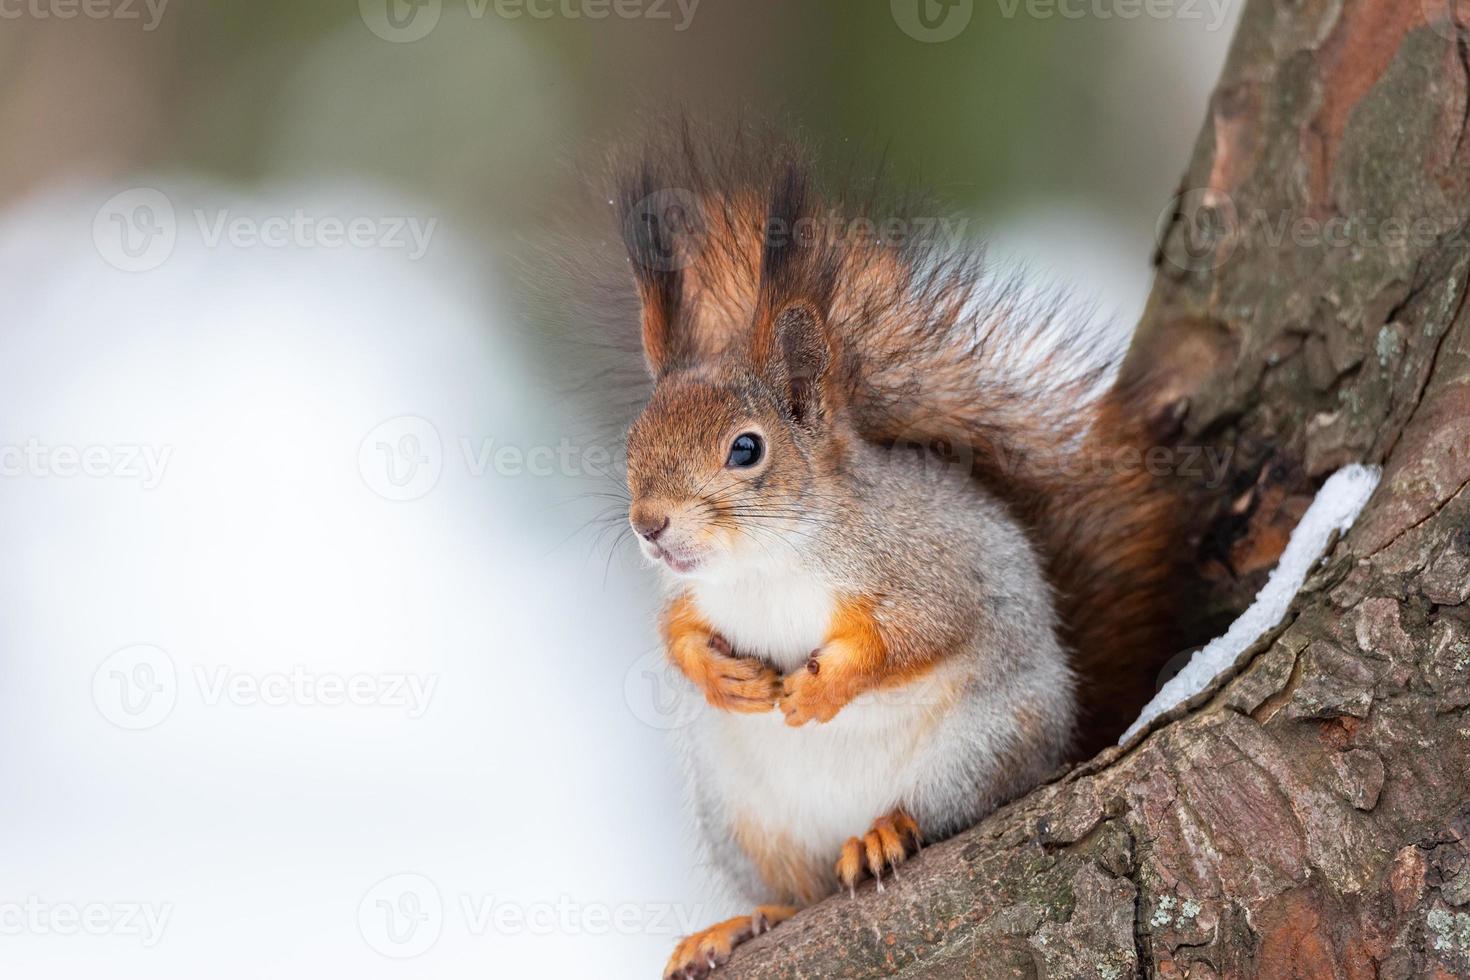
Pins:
x: 650, y: 526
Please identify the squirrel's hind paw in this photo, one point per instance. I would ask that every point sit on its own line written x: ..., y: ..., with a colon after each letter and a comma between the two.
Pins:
x: 699, y: 955
x: 890, y: 842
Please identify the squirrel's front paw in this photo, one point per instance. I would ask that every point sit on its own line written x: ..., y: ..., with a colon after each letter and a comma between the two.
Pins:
x: 735, y: 683
x: 807, y: 696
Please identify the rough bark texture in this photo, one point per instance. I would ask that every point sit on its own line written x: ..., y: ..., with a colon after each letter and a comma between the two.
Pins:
x: 1311, y: 818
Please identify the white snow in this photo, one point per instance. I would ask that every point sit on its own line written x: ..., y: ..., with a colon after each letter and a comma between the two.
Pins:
x: 516, y: 814
x: 1335, y: 508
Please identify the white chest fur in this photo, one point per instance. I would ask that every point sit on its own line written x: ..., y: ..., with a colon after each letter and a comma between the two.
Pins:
x: 818, y: 784
x: 782, y: 618
x: 813, y: 787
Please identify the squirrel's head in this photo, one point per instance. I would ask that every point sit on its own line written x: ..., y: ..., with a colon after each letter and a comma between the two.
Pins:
x: 726, y: 463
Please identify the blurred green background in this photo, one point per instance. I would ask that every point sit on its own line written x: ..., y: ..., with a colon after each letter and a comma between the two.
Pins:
x: 1087, y: 107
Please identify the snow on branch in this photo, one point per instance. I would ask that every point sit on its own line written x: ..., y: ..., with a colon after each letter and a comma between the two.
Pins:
x: 1335, y: 508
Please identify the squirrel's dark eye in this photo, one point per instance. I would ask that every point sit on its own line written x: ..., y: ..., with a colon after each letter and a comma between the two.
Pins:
x: 745, y: 451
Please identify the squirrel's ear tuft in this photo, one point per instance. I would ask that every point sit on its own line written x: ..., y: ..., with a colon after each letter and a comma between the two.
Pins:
x: 799, y: 267
x: 656, y: 223
x: 806, y: 354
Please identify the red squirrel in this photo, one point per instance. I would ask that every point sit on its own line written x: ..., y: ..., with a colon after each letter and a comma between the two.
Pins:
x: 892, y: 641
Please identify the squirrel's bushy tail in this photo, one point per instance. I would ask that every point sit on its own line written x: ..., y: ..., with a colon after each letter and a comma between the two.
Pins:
x: 1028, y: 398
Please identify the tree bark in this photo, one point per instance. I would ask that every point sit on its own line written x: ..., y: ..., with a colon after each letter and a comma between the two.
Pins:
x: 1310, y: 815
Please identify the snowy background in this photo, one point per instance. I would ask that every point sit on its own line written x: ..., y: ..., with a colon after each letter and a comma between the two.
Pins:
x: 312, y: 662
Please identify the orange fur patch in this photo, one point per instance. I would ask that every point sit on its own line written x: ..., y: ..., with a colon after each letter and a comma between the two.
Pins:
x: 790, y: 873
x: 853, y: 660
x: 730, y: 683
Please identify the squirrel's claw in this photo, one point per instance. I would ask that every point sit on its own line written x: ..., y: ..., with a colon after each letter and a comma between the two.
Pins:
x: 887, y: 845
x: 699, y: 955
